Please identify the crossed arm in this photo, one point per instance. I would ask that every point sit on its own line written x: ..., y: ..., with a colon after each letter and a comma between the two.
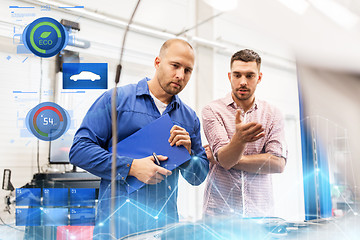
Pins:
x: 264, y: 163
x: 261, y: 163
x: 230, y: 156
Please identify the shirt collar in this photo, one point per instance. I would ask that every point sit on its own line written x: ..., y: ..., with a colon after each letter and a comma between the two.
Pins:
x: 142, y: 88
x: 229, y: 101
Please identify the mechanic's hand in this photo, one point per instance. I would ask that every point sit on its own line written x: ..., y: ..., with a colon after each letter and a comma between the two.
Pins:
x: 209, y: 154
x: 247, y: 132
x: 179, y: 136
x: 147, y: 171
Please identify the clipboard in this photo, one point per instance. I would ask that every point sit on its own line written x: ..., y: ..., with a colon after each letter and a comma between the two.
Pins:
x: 152, y: 138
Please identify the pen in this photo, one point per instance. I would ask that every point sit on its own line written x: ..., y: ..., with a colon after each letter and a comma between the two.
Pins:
x: 156, y: 159
x: 158, y: 163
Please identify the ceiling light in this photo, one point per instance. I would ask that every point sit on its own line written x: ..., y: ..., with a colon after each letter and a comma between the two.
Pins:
x: 222, y: 5
x: 298, y: 6
x: 337, y: 12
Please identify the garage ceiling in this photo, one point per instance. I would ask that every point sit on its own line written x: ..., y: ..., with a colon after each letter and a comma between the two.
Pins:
x: 313, y: 36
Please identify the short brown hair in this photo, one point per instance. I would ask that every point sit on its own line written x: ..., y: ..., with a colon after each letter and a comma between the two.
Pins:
x: 246, y: 55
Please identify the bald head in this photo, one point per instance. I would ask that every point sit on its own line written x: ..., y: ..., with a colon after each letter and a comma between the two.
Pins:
x: 174, y: 66
x: 170, y: 42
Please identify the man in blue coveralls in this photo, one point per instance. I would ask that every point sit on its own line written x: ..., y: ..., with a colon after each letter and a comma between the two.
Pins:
x: 153, y: 205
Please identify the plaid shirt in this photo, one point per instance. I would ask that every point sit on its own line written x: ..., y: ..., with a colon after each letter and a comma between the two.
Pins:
x: 234, y: 191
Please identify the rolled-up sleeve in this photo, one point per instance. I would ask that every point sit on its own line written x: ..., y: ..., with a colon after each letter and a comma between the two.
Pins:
x: 214, y: 130
x: 275, y: 143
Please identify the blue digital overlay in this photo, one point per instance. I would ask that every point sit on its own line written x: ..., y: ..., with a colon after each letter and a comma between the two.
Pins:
x: 82, y: 197
x: 45, y: 8
x: 45, y: 37
x: 55, y: 197
x: 56, y: 210
x: 82, y: 216
x: 19, y: 7
x: 47, y: 121
x: 85, y: 75
x: 21, y: 49
x: 28, y: 217
x: 73, y: 7
x: 55, y: 217
x: 28, y: 197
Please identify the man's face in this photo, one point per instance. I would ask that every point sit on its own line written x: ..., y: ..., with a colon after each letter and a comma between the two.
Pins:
x: 174, y: 68
x: 244, y: 77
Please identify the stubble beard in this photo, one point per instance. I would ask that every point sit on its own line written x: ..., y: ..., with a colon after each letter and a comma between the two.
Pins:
x: 242, y: 98
x: 169, y: 89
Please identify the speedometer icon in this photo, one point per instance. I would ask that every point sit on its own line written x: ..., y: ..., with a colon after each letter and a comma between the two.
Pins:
x: 47, y: 121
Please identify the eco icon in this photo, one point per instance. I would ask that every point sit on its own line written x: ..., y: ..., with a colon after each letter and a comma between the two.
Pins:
x: 45, y: 37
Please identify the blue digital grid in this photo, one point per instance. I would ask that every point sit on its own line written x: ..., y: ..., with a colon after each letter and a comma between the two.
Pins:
x: 82, y: 197
x: 24, y: 133
x: 85, y: 75
x: 28, y: 196
x: 55, y: 216
x: 21, y: 49
x: 82, y: 216
x: 55, y: 197
x: 28, y: 217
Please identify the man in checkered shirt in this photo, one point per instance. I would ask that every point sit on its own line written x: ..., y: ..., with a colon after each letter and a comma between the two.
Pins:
x: 246, y: 144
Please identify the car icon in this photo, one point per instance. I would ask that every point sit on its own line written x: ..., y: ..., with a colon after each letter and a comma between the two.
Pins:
x: 85, y: 75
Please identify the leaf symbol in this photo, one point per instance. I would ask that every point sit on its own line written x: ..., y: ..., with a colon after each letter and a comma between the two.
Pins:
x: 45, y: 34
